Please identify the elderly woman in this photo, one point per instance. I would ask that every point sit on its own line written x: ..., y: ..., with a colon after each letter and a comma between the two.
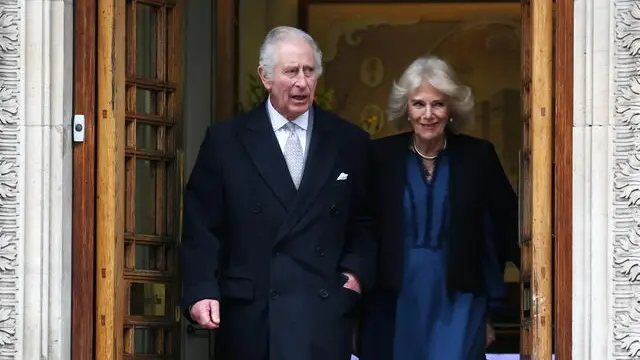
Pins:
x: 447, y: 224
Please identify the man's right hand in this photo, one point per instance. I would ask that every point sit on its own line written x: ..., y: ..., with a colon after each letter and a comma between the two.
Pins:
x: 206, y: 313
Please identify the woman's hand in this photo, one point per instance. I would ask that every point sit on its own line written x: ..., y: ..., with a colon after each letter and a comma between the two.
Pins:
x: 491, y: 333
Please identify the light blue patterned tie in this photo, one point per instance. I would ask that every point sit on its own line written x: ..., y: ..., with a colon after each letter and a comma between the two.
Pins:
x: 293, y: 154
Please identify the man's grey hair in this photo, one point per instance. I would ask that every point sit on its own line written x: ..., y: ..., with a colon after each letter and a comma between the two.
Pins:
x: 437, y: 73
x: 268, y: 59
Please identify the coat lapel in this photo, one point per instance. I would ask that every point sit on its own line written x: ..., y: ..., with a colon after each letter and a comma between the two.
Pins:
x: 323, y: 151
x: 396, y: 170
x: 456, y: 175
x: 389, y: 177
x: 262, y: 146
x: 322, y: 155
x: 396, y: 167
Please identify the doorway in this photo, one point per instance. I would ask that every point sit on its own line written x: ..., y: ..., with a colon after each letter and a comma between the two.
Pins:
x: 368, y: 45
x: 162, y: 94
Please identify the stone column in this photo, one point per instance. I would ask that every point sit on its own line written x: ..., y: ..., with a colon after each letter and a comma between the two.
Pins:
x: 624, y: 240
x: 592, y: 183
x: 36, y: 78
x: 11, y: 158
x: 606, y: 252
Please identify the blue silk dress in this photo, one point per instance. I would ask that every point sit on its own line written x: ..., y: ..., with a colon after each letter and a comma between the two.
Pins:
x: 430, y: 323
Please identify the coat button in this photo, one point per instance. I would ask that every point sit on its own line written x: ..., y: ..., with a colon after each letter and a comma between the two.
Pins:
x: 257, y: 209
x: 320, y: 251
x: 323, y: 293
x: 274, y: 294
x: 333, y: 209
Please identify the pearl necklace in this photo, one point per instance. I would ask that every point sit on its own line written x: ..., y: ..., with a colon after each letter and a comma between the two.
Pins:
x: 433, y: 157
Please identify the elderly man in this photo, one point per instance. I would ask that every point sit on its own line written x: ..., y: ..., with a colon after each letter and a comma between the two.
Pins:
x: 277, y: 242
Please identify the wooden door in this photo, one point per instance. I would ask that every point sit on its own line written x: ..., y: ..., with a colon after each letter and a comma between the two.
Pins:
x: 151, y: 163
x: 84, y: 182
x: 524, y: 191
x: 563, y: 178
x: 139, y: 135
x: 536, y: 180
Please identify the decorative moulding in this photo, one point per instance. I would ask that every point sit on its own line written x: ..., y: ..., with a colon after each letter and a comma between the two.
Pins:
x: 626, y: 152
x: 10, y: 153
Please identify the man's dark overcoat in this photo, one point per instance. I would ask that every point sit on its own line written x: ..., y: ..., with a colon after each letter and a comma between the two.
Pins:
x: 272, y: 254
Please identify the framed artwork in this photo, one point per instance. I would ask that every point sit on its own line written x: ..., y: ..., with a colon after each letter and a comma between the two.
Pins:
x: 368, y: 44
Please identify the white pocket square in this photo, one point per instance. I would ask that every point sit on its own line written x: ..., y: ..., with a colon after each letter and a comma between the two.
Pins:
x: 342, y: 176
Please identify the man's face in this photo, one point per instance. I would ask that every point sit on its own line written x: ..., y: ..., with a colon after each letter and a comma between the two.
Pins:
x: 293, y: 84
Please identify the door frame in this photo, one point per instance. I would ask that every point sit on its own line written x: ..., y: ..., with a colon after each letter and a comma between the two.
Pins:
x: 84, y: 161
x: 84, y: 182
x: 563, y: 160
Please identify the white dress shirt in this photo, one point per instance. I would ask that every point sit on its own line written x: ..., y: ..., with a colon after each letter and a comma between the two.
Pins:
x: 303, y: 128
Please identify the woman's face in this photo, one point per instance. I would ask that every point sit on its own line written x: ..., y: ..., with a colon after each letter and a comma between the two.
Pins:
x: 428, y: 112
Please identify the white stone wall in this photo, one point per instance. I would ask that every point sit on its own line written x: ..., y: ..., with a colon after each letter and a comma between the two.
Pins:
x: 625, y: 226
x: 606, y: 205
x: 36, y: 166
x: 592, y: 182
x: 36, y: 75
x: 11, y: 171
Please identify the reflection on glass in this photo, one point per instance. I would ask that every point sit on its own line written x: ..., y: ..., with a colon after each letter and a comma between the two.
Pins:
x: 146, y: 41
x: 147, y: 102
x: 147, y: 299
x: 148, y: 257
x: 146, y: 137
x: 144, y: 341
x: 145, y: 197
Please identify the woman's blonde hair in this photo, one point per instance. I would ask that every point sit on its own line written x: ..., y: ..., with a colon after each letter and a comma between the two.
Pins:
x: 439, y: 74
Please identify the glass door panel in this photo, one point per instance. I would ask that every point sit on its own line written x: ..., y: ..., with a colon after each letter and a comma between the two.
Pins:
x: 151, y: 328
